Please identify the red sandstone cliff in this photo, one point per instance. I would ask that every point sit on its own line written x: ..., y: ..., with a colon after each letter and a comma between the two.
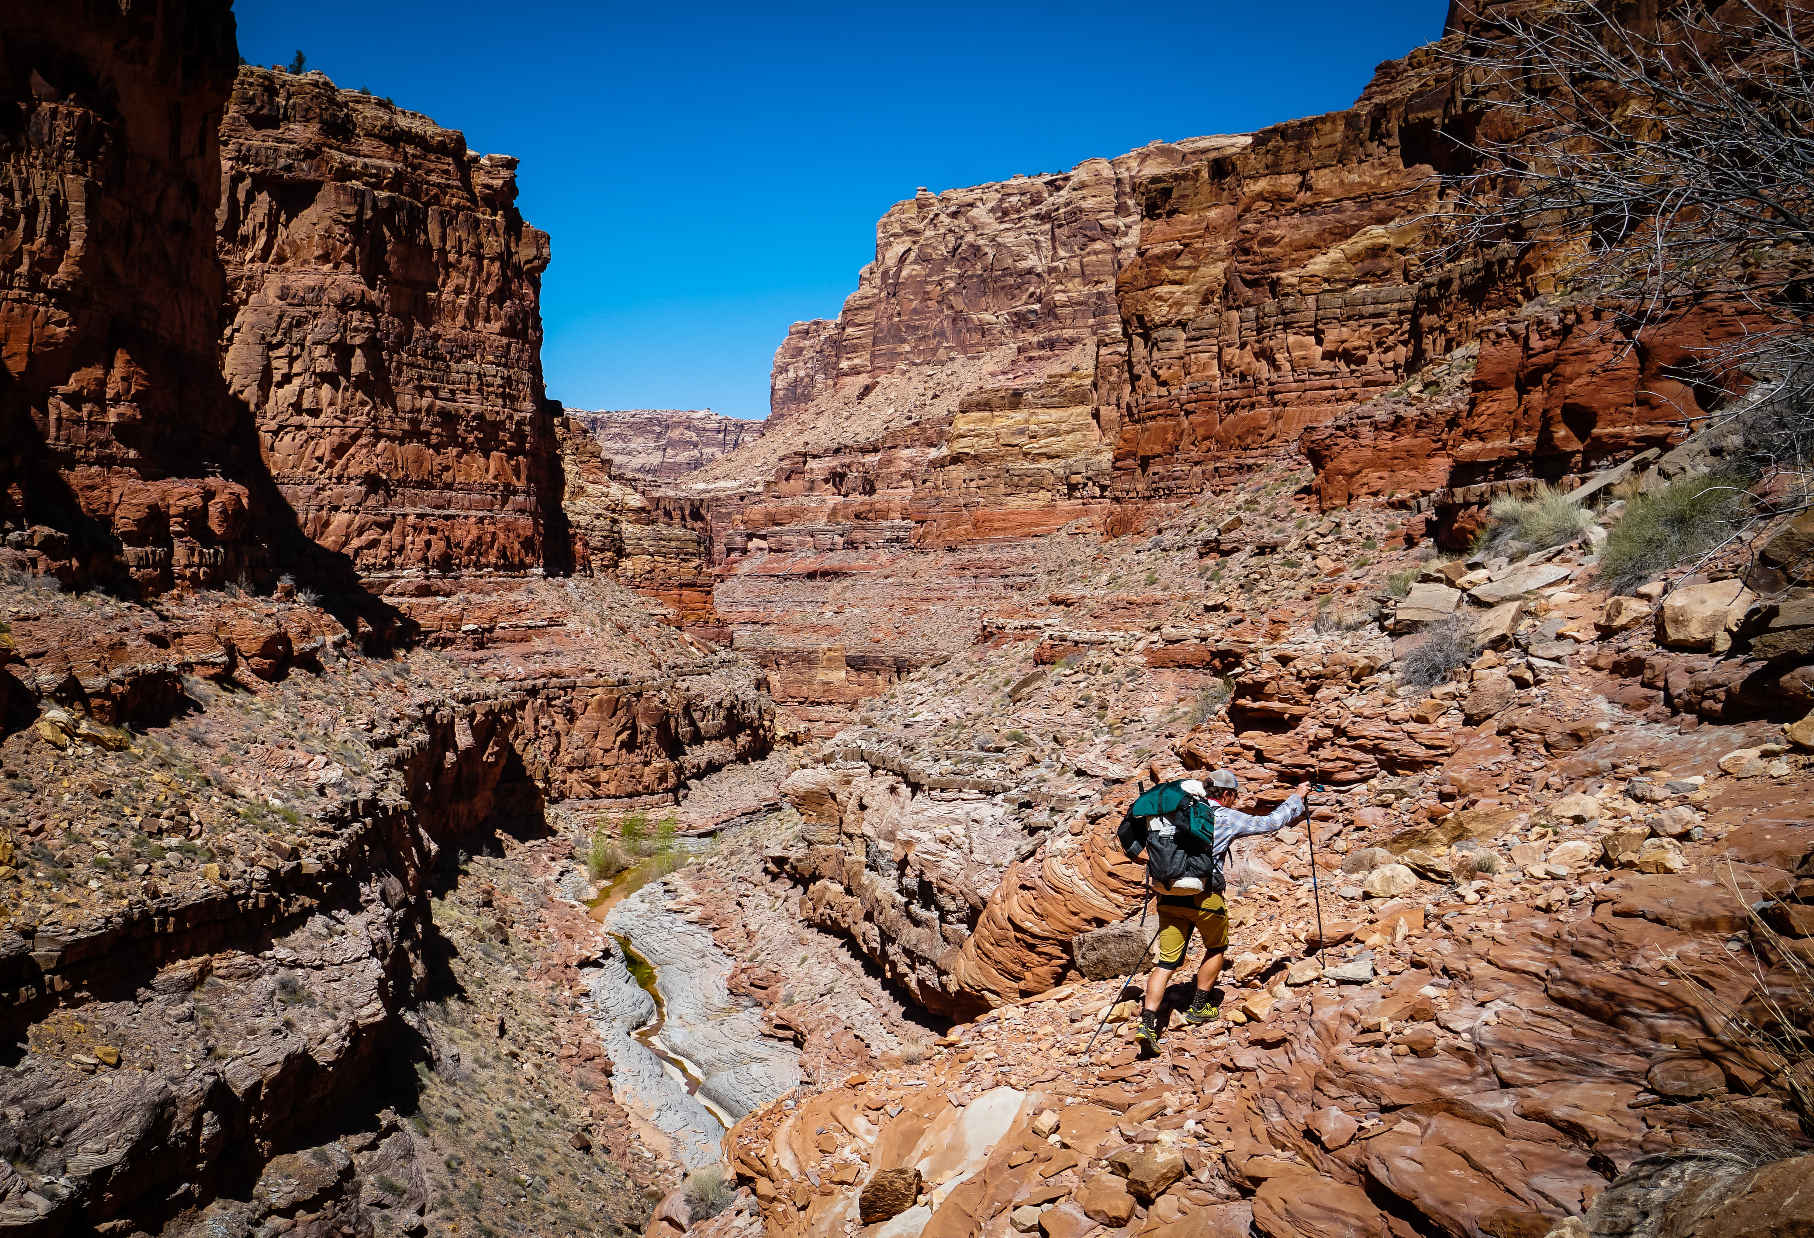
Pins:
x: 386, y: 329
x: 122, y: 459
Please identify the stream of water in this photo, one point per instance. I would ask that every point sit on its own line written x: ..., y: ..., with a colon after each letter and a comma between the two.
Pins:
x: 629, y: 881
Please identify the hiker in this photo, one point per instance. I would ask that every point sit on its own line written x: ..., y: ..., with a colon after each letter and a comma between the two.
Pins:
x: 1185, y: 869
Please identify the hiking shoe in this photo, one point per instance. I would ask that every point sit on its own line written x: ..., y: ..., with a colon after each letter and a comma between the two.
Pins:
x: 1148, y: 1036
x: 1202, y: 1010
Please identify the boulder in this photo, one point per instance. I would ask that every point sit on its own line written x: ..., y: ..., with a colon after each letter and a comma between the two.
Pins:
x: 1620, y: 613
x: 1675, y: 822
x: 888, y: 1193
x: 1571, y: 853
x: 1366, y: 860
x: 1427, y: 866
x: 1107, y: 953
x: 1790, y: 551
x: 1520, y: 581
x: 1576, y: 808
x: 1106, y: 1200
x: 1427, y: 603
x: 1660, y: 855
x: 1303, y: 972
x: 1066, y: 1220
x: 1621, y: 846
x: 1333, y: 1127
x: 1703, y: 616
x: 1357, y: 972
x: 1494, y: 628
x: 1389, y: 881
x: 1492, y: 693
x: 1801, y: 733
x: 1333, y: 933
x: 1149, y: 1172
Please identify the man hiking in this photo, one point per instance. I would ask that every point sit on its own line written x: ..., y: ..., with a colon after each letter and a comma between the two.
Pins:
x: 1185, y: 868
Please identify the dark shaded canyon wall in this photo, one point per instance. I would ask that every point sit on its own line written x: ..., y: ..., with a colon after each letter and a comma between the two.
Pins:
x: 122, y: 458
x: 386, y: 330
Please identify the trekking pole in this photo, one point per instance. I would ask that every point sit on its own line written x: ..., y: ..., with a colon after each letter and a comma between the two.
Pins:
x: 1315, y: 888
x: 1146, y: 896
x: 1124, y: 988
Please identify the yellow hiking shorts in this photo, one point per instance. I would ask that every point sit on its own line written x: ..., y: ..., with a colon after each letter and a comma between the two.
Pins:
x: 1179, y: 914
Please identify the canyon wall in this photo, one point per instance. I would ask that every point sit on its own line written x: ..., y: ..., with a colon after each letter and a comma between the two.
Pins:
x: 122, y: 458
x: 1053, y: 354
x: 386, y: 330
x: 663, y: 444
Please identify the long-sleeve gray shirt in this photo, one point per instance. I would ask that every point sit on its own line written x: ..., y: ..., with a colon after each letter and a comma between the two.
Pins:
x: 1231, y: 825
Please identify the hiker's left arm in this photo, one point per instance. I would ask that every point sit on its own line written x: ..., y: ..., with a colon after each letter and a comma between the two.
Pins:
x: 1231, y: 825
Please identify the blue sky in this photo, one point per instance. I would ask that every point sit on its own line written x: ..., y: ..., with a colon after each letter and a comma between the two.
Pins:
x: 711, y: 173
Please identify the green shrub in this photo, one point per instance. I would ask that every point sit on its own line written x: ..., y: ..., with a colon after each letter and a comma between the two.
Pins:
x: 1548, y: 518
x: 634, y: 830
x: 1398, y: 584
x: 665, y: 835
x: 603, y: 857
x: 707, y: 1193
x: 1661, y: 531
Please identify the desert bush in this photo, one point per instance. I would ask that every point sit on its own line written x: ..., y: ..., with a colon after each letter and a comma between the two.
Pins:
x: 1211, y: 701
x: 708, y: 1194
x: 603, y: 857
x: 634, y: 830
x: 666, y: 835
x: 1443, y: 647
x: 1661, y: 531
x: 1771, y: 1029
x: 1331, y: 618
x: 1398, y: 584
x: 1548, y: 518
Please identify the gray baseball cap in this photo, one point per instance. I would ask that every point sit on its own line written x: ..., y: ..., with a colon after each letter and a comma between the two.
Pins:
x: 1227, y: 781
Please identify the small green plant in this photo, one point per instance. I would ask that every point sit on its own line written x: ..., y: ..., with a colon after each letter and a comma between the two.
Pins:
x: 1017, y: 736
x: 665, y: 834
x: 1151, y: 577
x: 603, y: 857
x: 1548, y: 518
x: 634, y: 830
x: 1398, y: 584
x: 1664, y: 530
x: 707, y: 1193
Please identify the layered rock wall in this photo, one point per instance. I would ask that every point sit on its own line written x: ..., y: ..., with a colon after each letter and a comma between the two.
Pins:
x: 664, y: 444
x: 385, y: 330
x: 122, y: 458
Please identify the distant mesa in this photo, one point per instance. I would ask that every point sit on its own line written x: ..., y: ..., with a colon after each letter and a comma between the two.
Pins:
x: 664, y: 444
